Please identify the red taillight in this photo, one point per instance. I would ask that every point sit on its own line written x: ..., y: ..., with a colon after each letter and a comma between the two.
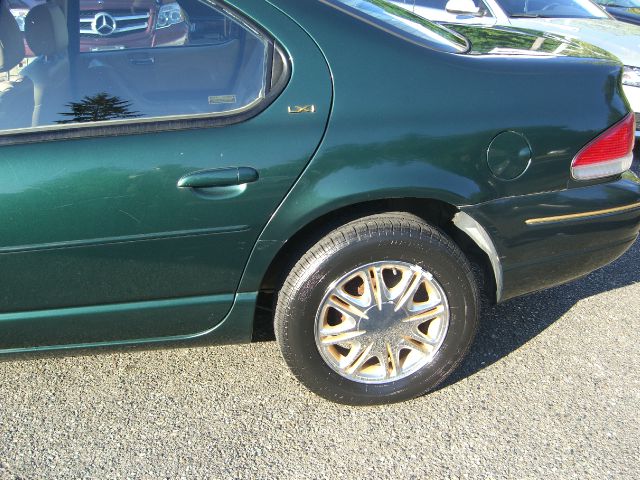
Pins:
x: 611, y: 153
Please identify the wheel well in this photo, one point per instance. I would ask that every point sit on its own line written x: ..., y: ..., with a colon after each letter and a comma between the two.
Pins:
x: 435, y: 212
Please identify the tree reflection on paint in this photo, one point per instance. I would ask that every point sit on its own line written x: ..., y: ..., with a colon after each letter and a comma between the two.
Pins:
x: 98, y: 108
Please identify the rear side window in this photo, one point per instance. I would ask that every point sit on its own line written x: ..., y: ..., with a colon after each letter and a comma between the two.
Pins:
x: 126, y: 61
x: 400, y: 22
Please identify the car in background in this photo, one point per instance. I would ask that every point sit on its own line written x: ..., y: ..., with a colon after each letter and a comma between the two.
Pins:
x: 119, y: 24
x: 576, y: 19
x: 623, y: 10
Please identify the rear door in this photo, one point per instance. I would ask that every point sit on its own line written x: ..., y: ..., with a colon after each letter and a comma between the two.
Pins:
x: 132, y: 211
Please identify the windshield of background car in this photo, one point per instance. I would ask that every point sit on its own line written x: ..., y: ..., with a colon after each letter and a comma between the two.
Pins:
x: 400, y: 22
x: 620, y: 3
x: 551, y: 9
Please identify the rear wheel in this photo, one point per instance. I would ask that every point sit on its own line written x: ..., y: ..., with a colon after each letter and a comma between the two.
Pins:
x: 380, y: 310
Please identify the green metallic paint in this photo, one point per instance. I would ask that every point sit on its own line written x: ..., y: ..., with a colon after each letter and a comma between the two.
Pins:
x: 235, y: 328
x: 372, y: 152
x: 538, y: 256
x: 101, y: 222
x: 419, y: 129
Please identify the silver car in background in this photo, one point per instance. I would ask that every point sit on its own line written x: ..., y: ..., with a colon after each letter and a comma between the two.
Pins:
x: 580, y: 19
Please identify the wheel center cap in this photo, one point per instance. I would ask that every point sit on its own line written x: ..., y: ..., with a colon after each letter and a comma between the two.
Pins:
x: 382, y: 323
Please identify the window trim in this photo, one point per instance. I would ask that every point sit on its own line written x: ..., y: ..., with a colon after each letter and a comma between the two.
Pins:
x: 170, y: 123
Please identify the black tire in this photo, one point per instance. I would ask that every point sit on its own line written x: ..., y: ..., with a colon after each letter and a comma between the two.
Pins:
x: 383, y: 237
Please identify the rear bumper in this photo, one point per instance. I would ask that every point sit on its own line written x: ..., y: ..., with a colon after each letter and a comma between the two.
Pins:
x: 547, y: 239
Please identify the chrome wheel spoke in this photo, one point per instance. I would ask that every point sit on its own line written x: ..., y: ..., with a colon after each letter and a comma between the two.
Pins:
x: 419, y: 340
x: 375, y: 285
x: 347, y: 324
x: 394, y: 354
x: 381, y: 355
x: 406, y: 276
x: 354, y: 353
x: 381, y: 322
x: 334, y: 339
x: 360, y: 359
x: 411, y: 289
x: 391, y: 360
x: 346, y: 308
x: 427, y: 314
x: 433, y: 299
x: 358, y: 303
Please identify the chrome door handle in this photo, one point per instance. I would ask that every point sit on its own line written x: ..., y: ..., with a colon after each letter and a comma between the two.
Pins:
x: 219, y: 177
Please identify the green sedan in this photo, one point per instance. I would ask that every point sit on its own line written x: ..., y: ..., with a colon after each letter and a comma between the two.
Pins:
x: 360, y: 172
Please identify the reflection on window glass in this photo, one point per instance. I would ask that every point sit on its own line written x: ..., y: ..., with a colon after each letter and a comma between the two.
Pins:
x: 98, y: 108
x: 436, y: 10
x: 137, y: 59
x: 402, y: 22
x: 142, y: 24
x: 552, y: 9
x: 620, y: 3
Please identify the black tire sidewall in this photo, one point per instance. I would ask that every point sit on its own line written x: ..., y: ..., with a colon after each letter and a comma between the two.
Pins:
x: 433, y: 256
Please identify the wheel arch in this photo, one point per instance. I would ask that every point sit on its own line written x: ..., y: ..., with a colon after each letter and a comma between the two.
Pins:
x: 460, y: 227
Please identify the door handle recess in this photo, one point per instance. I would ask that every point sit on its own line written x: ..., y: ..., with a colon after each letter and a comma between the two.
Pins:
x: 219, y: 177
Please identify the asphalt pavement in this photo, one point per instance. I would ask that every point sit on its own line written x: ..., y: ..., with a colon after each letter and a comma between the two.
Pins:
x: 551, y: 389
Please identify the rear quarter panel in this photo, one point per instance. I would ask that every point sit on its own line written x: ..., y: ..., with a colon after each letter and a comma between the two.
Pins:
x: 412, y: 122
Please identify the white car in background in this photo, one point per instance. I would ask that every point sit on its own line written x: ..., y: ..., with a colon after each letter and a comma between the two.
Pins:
x: 580, y: 19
